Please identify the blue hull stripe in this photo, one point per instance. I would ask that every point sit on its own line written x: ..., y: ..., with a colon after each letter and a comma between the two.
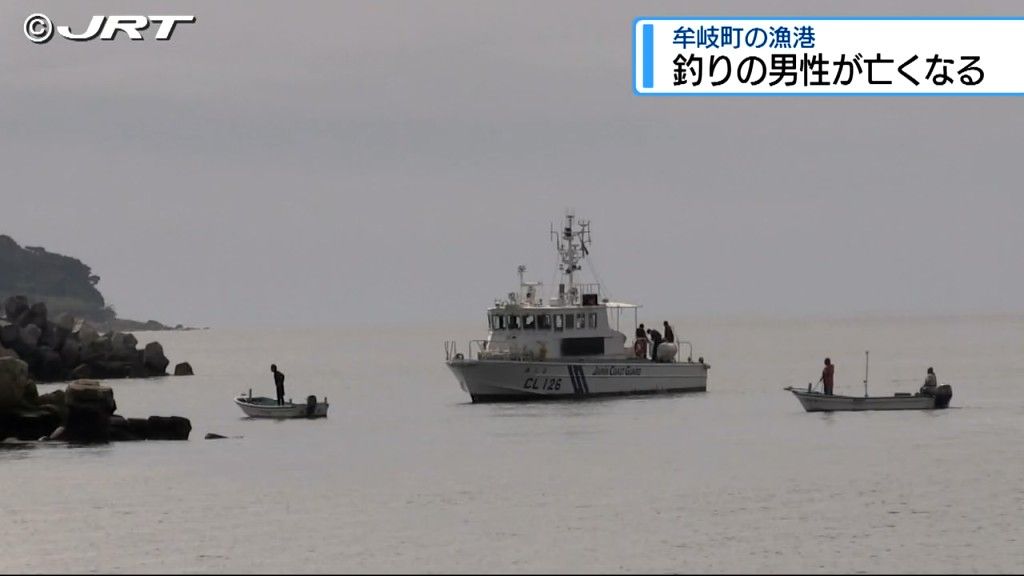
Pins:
x: 579, y: 379
x: 575, y: 385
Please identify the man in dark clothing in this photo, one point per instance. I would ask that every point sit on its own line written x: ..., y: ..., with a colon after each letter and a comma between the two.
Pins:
x: 669, y: 335
x: 931, y: 383
x: 827, y: 376
x: 640, y: 344
x: 278, y: 383
x: 655, y: 340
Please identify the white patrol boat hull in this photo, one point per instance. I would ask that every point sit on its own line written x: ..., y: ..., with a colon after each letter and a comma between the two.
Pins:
x: 511, y: 380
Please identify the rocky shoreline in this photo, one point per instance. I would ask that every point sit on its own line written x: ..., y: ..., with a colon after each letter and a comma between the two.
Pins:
x: 81, y: 413
x: 70, y: 349
x: 34, y: 348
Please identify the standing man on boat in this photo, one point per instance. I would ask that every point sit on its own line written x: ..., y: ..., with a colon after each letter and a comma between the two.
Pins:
x: 827, y: 376
x: 640, y: 344
x: 670, y: 336
x: 278, y: 383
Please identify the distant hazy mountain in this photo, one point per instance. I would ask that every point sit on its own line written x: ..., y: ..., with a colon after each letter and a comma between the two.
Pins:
x: 64, y: 283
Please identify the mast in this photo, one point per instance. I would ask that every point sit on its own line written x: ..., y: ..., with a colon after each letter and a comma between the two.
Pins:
x: 866, y: 373
x: 572, y: 243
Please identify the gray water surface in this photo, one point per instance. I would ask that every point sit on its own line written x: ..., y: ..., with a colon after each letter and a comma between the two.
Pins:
x: 406, y: 475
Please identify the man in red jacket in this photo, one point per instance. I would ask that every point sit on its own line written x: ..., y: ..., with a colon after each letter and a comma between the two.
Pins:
x: 827, y: 376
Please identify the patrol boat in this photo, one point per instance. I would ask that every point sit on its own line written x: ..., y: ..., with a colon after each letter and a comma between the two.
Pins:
x: 568, y: 346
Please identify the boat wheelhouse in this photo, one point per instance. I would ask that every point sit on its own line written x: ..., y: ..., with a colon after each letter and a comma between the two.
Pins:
x: 570, y: 345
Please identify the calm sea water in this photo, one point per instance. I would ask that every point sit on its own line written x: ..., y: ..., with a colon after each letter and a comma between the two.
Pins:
x: 406, y: 475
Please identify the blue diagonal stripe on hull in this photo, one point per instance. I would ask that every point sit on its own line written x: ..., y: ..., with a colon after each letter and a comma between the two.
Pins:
x: 579, y: 380
x: 572, y: 377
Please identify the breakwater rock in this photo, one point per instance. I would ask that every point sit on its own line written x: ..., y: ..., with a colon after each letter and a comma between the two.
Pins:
x: 64, y: 348
x: 83, y: 412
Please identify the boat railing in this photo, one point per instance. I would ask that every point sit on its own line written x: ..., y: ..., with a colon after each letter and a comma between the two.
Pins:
x: 490, y: 350
x: 487, y: 350
x: 451, y: 351
x: 679, y: 348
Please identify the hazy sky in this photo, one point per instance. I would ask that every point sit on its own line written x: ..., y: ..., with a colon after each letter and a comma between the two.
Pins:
x: 335, y: 162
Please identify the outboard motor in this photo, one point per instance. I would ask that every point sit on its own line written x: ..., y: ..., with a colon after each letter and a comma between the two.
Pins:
x: 943, y: 394
x: 310, y: 406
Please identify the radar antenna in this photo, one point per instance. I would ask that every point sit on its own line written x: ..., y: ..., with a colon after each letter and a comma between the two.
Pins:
x: 572, y: 243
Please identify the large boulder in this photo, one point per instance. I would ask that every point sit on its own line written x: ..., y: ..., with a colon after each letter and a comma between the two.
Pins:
x: 87, y: 334
x: 82, y: 392
x: 122, y: 347
x: 49, y: 366
x: 13, y: 382
x: 153, y: 358
x: 51, y: 337
x: 31, y: 396
x: 28, y: 423
x: 9, y: 335
x: 130, y: 342
x: 117, y: 341
x: 71, y: 353
x: 139, y: 427
x: 65, y: 323
x: 14, y: 306
x: 117, y: 369
x: 90, y: 407
x: 95, y: 350
x: 55, y: 401
x: 82, y: 372
x: 169, y: 428
x: 183, y: 369
x: 39, y: 315
x: 29, y: 335
x: 87, y: 424
x: 121, y: 431
x: 56, y: 398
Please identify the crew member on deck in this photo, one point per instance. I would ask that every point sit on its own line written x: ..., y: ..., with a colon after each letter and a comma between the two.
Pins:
x: 827, y: 376
x: 670, y: 336
x: 931, y: 383
x: 640, y: 345
x: 278, y: 383
x: 655, y: 340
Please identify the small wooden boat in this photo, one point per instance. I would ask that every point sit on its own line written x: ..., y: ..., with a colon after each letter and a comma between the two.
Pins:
x: 814, y: 401
x: 263, y: 407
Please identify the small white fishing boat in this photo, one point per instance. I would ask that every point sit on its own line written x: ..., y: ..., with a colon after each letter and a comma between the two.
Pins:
x: 815, y: 401
x: 263, y: 407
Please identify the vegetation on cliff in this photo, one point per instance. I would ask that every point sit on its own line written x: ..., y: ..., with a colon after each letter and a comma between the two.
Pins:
x: 64, y: 283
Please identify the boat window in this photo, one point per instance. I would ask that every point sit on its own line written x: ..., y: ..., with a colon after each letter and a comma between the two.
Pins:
x: 569, y: 322
x: 501, y: 321
x: 581, y: 321
x: 582, y: 346
x: 529, y: 322
x: 495, y: 322
x: 559, y: 322
x: 593, y: 319
x: 544, y: 321
x: 513, y: 322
